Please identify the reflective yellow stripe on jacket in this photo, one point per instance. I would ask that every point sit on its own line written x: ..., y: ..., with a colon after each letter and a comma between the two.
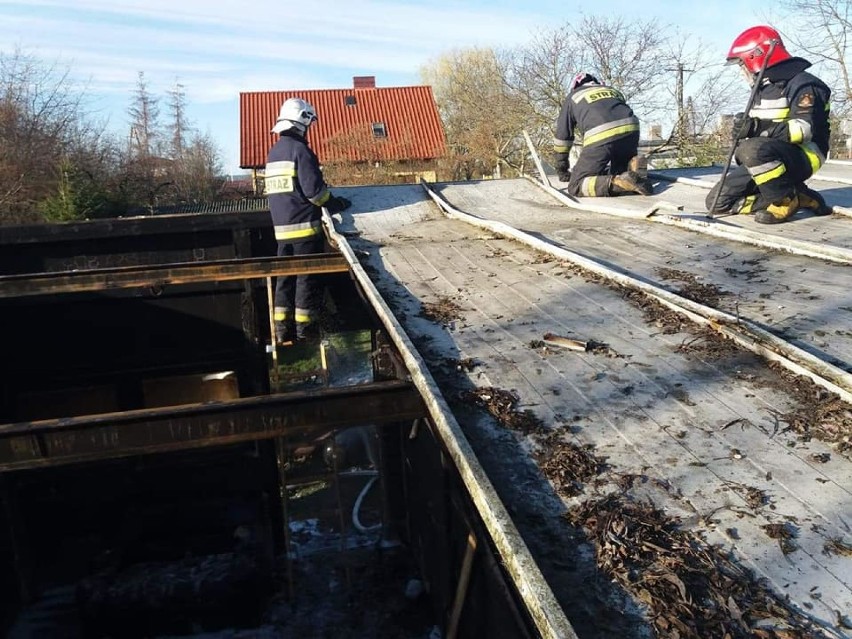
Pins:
x: 285, y: 232
x: 561, y: 146
x: 777, y: 109
x: 610, y: 130
x: 814, y: 155
x: 279, y: 177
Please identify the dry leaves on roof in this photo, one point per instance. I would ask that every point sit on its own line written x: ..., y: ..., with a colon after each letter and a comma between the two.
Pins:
x: 567, y: 465
x: 708, y: 343
x: 501, y: 404
x: 754, y: 497
x: 819, y: 413
x: 837, y: 547
x: 692, y: 289
x: 444, y: 311
x: 785, y: 533
x: 692, y: 590
x: 667, y: 320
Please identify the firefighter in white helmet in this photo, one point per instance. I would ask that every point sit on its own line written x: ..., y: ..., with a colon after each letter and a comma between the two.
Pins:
x: 782, y: 140
x: 597, y: 116
x: 296, y: 190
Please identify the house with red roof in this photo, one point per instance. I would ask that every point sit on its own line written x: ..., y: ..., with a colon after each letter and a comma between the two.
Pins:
x: 360, y: 127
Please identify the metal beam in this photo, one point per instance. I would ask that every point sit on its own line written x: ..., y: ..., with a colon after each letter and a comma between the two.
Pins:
x: 157, y: 276
x: 300, y: 416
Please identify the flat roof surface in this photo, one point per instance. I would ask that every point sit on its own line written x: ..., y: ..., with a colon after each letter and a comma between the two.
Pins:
x: 707, y: 426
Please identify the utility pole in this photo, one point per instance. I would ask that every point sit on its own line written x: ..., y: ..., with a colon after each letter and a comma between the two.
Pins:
x: 680, y: 127
x: 681, y: 115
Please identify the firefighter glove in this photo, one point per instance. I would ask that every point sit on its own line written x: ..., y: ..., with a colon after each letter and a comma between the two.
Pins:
x: 743, y: 127
x: 337, y: 204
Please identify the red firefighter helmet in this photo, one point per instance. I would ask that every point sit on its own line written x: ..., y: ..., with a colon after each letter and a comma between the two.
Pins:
x: 752, y: 45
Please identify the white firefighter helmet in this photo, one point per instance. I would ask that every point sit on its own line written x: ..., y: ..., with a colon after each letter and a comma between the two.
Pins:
x: 295, y: 113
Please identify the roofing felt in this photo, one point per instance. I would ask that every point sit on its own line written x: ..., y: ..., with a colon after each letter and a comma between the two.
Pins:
x: 704, y: 430
x: 406, y: 120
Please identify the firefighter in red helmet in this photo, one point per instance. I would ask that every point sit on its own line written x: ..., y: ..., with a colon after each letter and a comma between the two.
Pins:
x: 782, y: 140
x: 597, y: 118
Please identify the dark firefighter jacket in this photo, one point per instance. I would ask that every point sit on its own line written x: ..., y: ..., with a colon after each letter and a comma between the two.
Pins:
x: 793, y: 105
x: 596, y: 114
x: 295, y: 187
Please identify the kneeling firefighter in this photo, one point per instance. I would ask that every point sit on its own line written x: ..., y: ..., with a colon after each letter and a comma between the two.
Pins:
x: 783, y: 139
x: 608, y: 163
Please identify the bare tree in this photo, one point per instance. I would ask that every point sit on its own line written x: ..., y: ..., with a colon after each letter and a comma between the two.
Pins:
x: 144, y: 112
x: 179, y: 127
x: 627, y: 54
x: 638, y: 58
x: 820, y: 31
x: 58, y: 163
x: 540, y: 73
x: 701, y: 89
x: 44, y: 128
x: 481, y: 113
x: 195, y: 164
x: 195, y: 176
x: 145, y: 167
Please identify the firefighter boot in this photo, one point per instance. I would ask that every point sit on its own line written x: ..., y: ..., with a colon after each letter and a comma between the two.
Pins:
x: 813, y: 201
x: 639, y: 165
x: 778, y: 212
x: 308, y: 331
x: 628, y: 182
x: 285, y: 333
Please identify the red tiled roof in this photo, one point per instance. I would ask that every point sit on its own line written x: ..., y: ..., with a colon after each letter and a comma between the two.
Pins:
x: 411, y: 120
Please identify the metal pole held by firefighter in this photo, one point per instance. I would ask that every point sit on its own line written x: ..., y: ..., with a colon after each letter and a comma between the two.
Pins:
x: 749, y: 105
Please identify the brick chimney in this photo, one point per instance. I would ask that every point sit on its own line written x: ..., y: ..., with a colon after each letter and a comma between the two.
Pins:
x: 364, y: 81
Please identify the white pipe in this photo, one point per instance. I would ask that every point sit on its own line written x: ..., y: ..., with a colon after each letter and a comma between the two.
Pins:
x: 356, y: 519
x: 701, y: 184
x: 742, y: 331
x: 712, y: 227
x: 706, y: 226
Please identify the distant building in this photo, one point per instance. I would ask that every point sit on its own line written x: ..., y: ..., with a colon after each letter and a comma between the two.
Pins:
x: 364, y: 126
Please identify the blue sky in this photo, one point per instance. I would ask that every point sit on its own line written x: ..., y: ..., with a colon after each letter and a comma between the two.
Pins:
x: 218, y: 49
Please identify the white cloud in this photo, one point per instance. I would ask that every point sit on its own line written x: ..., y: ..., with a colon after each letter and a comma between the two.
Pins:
x: 218, y: 49
x: 221, y: 44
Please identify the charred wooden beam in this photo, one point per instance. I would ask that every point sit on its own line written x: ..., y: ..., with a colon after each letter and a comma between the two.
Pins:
x: 139, y: 226
x: 299, y: 416
x: 28, y: 284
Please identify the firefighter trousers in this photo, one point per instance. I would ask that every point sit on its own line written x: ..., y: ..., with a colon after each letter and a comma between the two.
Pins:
x: 592, y: 173
x: 769, y: 170
x: 297, y: 296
